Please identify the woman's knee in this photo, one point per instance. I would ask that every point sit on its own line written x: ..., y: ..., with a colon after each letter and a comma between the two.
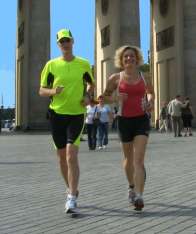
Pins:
x: 139, y: 162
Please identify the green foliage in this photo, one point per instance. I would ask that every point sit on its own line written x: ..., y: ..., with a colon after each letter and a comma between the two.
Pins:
x: 145, y: 67
x: 8, y: 113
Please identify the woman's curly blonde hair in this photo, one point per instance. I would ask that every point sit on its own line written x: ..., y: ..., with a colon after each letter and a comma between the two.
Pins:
x: 119, y: 54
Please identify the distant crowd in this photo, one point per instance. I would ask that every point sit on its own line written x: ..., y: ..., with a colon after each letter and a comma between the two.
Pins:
x: 176, y: 116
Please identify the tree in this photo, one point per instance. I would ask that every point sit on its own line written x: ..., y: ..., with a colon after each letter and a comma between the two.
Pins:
x: 8, y: 113
x: 145, y: 67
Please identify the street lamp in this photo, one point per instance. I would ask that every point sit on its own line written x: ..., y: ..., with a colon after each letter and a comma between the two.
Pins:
x: 1, y: 115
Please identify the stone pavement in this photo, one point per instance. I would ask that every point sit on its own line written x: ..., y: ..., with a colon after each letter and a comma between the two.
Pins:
x: 32, y: 190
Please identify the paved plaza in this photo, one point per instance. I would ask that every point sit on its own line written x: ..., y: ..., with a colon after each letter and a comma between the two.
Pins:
x: 32, y: 190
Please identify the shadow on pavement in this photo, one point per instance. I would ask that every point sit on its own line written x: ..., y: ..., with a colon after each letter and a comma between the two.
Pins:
x: 95, y: 211
x: 19, y: 163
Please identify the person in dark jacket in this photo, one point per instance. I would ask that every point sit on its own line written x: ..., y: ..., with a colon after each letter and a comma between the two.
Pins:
x: 187, y: 116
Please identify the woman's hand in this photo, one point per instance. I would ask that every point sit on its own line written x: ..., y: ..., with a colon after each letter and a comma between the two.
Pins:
x: 150, y: 106
x: 86, y: 100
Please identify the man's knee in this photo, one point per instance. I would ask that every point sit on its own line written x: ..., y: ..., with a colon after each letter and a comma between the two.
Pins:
x: 72, y: 159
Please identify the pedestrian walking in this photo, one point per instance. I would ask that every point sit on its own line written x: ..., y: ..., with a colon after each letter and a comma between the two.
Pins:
x: 187, y: 116
x: 175, y: 110
x: 105, y: 116
x: 91, y: 124
x: 163, y: 118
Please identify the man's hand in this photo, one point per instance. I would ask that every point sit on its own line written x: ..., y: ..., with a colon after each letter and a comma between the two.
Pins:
x: 46, y: 92
x: 59, y: 89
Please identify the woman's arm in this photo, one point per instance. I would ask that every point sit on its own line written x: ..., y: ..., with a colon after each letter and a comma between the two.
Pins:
x: 111, y: 86
x: 150, y: 94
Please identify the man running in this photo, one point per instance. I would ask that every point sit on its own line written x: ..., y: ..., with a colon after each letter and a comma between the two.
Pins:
x: 69, y: 83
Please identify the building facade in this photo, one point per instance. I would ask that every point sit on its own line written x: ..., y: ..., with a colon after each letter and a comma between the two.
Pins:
x: 33, y: 50
x: 117, y: 24
x: 173, y: 50
x: 167, y: 49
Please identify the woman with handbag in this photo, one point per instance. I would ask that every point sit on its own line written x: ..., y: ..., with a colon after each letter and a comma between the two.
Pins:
x: 187, y: 116
x: 91, y: 124
x: 105, y: 116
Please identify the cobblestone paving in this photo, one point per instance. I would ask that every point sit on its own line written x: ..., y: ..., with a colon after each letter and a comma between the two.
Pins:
x: 32, y: 191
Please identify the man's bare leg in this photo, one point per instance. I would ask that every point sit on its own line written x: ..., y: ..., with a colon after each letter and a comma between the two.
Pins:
x: 63, y: 164
x: 73, y: 168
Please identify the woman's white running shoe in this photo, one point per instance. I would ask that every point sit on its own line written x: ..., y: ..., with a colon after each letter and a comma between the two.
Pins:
x: 71, y: 204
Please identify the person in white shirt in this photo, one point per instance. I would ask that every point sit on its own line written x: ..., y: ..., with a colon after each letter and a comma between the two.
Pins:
x: 91, y: 126
x: 105, y: 116
x: 175, y: 110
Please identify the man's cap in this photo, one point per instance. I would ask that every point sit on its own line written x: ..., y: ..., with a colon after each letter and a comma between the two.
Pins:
x: 64, y: 33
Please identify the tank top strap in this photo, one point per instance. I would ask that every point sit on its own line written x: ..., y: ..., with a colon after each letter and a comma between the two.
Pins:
x: 142, y: 77
x: 120, y: 79
x: 120, y: 104
x: 145, y: 99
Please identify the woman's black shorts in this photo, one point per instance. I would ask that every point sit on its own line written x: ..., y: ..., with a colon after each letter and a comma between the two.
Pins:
x: 187, y: 121
x: 129, y: 127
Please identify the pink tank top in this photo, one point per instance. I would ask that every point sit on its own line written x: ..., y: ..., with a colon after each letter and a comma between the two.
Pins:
x: 135, y: 104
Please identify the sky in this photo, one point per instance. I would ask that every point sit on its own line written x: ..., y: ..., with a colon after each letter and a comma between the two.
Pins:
x: 79, y: 19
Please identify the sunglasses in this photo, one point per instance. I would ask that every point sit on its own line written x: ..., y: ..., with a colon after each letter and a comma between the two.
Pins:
x: 63, y: 40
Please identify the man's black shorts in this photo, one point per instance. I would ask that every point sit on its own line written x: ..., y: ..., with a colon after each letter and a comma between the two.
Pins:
x: 129, y: 127
x: 66, y: 129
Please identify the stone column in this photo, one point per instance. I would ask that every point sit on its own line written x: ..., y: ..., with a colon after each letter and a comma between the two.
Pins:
x: 117, y: 23
x: 167, y: 58
x: 189, y: 8
x: 129, y: 22
x: 32, y: 52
